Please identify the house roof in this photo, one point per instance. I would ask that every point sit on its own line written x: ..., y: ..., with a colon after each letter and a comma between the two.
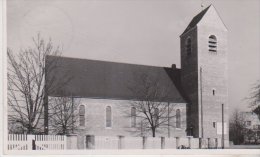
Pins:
x: 196, y: 20
x: 109, y: 80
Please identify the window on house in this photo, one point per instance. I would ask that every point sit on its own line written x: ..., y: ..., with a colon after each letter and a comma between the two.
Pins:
x: 258, y: 133
x: 178, y: 118
x: 212, y: 43
x: 248, y: 123
x: 188, y: 46
x: 81, y: 115
x: 133, y: 117
x: 156, y: 113
x: 108, y: 116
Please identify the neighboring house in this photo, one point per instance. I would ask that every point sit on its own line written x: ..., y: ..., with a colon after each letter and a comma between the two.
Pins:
x: 251, y: 120
x: 197, y: 90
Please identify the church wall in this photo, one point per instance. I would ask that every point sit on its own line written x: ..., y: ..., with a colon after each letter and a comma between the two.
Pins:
x: 95, y: 120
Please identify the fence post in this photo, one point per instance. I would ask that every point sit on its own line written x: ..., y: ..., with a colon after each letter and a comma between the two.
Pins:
x: 216, y: 143
x: 189, y: 138
x: 30, y: 139
x: 120, y: 142
x: 200, y: 143
x: 177, y: 142
x: 90, y: 141
x: 208, y: 143
x: 162, y: 142
x: 33, y: 145
x: 144, y: 142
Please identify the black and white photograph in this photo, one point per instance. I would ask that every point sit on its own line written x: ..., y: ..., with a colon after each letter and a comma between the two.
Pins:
x: 125, y: 75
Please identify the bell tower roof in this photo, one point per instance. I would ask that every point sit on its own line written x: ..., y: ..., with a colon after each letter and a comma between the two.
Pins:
x: 200, y: 16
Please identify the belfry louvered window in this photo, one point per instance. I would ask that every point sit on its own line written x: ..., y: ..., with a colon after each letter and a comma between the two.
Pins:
x: 212, y: 43
x: 188, y: 46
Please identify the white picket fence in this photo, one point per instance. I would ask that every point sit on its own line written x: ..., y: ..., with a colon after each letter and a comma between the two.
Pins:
x: 36, y: 142
x: 19, y: 142
x: 50, y: 142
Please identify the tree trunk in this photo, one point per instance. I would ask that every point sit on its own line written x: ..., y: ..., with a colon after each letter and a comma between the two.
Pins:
x: 153, y: 130
x: 30, y: 129
x: 63, y: 131
x: 46, y: 113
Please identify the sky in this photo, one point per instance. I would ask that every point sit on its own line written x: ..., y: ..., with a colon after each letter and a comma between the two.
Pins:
x: 140, y: 32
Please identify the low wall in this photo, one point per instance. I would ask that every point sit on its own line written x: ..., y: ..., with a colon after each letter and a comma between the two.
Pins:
x: 170, y: 143
x: 72, y: 141
x: 132, y: 143
x: 194, y: 143
x: 122, y: 142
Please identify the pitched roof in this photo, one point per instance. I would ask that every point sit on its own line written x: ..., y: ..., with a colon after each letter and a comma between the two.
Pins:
x: 109, y: 80
x: 196, y: 20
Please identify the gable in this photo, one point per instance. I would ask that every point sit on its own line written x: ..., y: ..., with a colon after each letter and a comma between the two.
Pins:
x: 209, y: 17
x: 212, y: 19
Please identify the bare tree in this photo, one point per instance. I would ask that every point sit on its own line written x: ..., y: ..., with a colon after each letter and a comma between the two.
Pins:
x: 152, y: 107
x: 255, y: 98
x: 237, y: 130
x: 26, y: 83
x: 63, y: 115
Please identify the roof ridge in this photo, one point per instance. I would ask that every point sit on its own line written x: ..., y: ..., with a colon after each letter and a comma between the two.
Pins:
x: 95, y: 60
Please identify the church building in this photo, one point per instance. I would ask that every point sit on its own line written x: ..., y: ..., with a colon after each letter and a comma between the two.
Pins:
x: 195, y: 93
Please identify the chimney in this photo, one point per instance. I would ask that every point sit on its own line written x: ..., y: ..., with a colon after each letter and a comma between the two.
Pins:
x: 173, y: 66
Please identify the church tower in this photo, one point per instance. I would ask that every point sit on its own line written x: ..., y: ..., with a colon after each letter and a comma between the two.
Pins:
x: 204, y: 74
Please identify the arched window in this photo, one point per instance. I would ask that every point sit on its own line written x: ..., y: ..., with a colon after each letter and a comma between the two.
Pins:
x: 178, y: 118
x: 156, y: 114
x: 212, y: 43
x: 81, y: 115
x: 108, y: 116
x: 133, y: 117
x: 188, y: 46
